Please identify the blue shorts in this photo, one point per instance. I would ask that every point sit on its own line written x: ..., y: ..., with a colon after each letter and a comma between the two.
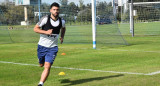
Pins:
x: 46, y: 54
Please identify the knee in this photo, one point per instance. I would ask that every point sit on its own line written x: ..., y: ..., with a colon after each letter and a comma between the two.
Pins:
x: 47, y: 66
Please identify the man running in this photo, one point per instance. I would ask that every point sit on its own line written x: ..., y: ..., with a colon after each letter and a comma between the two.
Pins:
x: 49, y: 28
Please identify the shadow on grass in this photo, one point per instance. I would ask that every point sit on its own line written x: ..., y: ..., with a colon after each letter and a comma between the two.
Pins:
x: 80, y: 81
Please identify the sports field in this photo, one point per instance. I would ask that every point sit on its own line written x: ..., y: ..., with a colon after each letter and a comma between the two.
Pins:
x: 136, y: 64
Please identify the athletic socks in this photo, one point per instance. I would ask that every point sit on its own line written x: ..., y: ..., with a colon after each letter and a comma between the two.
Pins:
x: 40, y: 84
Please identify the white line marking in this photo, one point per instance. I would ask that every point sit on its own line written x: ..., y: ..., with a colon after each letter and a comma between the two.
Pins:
x: 153, y: 73
x: 18, y: 63
x: 135, y: 50
x: 75, y: 48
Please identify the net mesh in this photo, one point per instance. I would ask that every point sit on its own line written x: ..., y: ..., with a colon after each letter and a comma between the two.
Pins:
x: 146, y: 18
x: 108, y: 32
x: 78, y: 18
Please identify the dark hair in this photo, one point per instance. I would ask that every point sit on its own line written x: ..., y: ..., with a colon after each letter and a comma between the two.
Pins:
x: 54, y: 4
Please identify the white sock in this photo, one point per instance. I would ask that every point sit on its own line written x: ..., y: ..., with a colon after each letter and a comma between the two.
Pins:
x: 41, y: 83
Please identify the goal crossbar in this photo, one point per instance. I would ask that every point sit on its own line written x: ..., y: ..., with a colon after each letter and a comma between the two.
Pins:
x: 139, y: 3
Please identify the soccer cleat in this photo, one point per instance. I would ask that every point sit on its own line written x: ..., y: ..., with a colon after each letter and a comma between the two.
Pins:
x: 39, y: 85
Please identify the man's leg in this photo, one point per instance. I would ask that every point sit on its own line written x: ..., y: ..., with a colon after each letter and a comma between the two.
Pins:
x: 45, y: 72
x: 41, y: 52
x: 49, y: 59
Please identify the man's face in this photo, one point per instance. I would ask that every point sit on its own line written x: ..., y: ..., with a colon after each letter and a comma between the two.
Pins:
x: 55, y: 11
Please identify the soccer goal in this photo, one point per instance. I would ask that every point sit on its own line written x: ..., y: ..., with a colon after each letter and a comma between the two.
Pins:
x: 80, y: 17
x: 146, y: 17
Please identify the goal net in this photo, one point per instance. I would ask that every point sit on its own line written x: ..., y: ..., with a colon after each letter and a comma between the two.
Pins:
x: 146, y: 18
x: 77, y: 15
x: 108, y: 32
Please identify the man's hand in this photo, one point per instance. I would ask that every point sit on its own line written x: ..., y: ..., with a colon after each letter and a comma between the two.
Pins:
x: 38, y: 30
x: 49, y: 32
x: 61, y: 40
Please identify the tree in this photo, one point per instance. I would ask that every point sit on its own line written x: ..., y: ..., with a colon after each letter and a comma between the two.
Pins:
x: 81, y: 3
x: 72, y: 8
x: 64, y: 6
x: 3, y: 9
x: 15, y: 14
x: 72, y: 11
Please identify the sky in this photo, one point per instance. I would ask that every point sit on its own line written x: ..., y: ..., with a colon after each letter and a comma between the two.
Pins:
x: 76, y: 1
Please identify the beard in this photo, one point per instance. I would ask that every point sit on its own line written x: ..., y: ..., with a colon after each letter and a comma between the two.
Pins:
x: 56, y: 16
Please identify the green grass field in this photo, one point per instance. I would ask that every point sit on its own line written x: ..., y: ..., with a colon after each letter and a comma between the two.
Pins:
x: 136, y: 64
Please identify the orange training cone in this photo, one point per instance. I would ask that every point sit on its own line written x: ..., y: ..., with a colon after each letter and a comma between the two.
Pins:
x: 63, y: 53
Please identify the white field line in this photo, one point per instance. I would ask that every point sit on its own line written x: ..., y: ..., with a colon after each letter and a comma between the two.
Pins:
x: 153, y: 73
x: 74, y: 48
x: 135, y: 50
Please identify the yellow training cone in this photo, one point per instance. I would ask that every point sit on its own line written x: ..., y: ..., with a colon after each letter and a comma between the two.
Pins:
x: 61, y: 74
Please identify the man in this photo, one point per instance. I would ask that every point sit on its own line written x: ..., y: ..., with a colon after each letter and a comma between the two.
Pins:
x: 48, y: 43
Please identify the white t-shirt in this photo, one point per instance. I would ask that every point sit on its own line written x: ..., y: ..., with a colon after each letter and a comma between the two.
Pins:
x: 49, y: 41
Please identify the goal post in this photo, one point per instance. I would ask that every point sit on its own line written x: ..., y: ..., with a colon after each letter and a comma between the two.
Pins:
x: 94, y: 23
x: 143, y: 18
x: 131, y: 18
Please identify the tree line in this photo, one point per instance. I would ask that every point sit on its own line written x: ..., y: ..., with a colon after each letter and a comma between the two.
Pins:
x: 11, y: 14
x: 72, y: 12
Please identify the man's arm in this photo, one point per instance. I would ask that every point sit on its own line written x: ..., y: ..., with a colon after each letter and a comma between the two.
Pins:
x: 38, y: 30
x: 63, y: 30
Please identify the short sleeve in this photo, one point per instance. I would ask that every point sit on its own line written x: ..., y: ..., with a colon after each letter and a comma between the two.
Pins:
x: 42, y: 21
